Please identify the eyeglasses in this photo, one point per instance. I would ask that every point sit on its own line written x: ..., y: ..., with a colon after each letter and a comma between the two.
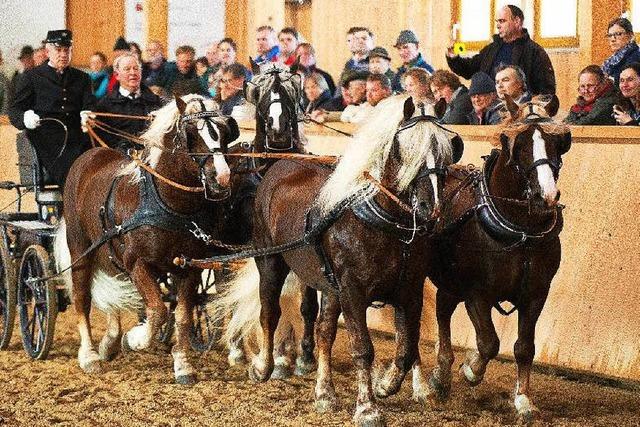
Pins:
x: 587, y: 88
x: 615, y: 35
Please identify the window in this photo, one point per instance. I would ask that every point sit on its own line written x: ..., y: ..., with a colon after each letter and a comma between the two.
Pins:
x: 634, y: 12
x: 552, y: 23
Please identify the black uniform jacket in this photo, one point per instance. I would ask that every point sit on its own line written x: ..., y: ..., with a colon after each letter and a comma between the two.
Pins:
x: 60, y: 96
x: 114, y: 102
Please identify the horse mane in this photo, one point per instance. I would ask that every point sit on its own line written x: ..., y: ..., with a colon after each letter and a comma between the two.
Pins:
x: 165, y: 120
x: 370, y: 148
x: 514, y: 126
x: 264, y: 81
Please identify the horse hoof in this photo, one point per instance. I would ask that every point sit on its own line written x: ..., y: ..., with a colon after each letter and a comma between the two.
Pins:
x: 326, y: 403
x: 92, y: 367
x: 281, y: 372
x: 236, y: 358
x: 258, y: 375
x: 526, y: 410
x: 438, y: 391
x: 381, y: 392
x: 108, y: 352
x: 370, y: 418
x: 124, y: 345
x: 187, y: 380
x: 468, y: 375
x: 304, y: 367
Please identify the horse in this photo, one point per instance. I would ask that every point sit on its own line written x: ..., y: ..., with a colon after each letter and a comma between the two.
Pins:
x: 150, y: 211
x: 499, y: 241
x: 371, y: 244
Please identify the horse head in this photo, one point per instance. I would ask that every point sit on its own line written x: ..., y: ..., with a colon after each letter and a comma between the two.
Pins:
x: 276, y: 94
x: 534, y: 144
x: 205, y: 135
x: 423, y: 149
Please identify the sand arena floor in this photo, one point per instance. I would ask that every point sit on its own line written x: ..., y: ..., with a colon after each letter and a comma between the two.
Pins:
x: 139, y: 390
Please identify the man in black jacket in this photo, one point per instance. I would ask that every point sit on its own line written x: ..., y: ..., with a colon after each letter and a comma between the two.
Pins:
x: 511, y: 46
x: 129, y: 97
x: 54, y: 90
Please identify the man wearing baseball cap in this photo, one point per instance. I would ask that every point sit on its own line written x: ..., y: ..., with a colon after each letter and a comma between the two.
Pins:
x: 54, y: 90
x: 486, y: 105
x: 407, y: 45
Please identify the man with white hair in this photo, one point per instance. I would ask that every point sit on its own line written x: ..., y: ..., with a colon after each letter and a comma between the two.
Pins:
x: 54, y: 90
x: 129, y: 97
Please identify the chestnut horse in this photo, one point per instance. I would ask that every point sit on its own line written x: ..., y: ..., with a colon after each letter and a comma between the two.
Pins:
x: 154, y: 221
x: 499, y: 242
x: 373, y: 249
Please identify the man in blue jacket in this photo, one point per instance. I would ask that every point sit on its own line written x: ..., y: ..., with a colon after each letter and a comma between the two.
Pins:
x: 408, y: 50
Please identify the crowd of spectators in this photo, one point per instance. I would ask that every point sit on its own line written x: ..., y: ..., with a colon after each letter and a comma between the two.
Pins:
x: 512, y: 64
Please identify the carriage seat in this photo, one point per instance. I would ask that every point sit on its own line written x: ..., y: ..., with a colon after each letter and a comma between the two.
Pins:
x: 48, y: 195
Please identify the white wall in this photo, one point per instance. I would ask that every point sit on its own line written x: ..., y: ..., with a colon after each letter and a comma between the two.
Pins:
x: 27, y: 22
x: 195, y: 22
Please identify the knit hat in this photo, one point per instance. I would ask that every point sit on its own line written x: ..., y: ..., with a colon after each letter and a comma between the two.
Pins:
x: 406, y: 36
x: 121, y: 44
x: 379, y: 52
x: 481, y: 83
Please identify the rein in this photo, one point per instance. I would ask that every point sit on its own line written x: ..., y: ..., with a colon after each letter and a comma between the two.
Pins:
x: 387, y: 192
x: 307, y: 119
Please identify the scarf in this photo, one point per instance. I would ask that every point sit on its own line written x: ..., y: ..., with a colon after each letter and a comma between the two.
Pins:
x: 617, y: 57
x: 583, y: 107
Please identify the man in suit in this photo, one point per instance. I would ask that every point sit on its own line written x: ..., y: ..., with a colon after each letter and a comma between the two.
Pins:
x: 54, y: 90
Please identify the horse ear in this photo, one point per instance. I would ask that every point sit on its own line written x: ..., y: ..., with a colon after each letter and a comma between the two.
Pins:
x: 234, y: 130
x: 512, y: 106
x: 457, y: 146
x: 182, y: 106
x: 255, y: 68
x: 552, y: 106
x: 440, y: 107
x: 409, y: 108
x: 564, y: 143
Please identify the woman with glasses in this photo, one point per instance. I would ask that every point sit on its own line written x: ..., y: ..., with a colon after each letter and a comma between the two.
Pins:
x: 596, y: 97
x: 628, y: 111
x: 622, y: 43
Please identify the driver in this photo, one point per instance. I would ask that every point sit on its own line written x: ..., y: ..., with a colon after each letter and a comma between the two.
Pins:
x: 54, y: 90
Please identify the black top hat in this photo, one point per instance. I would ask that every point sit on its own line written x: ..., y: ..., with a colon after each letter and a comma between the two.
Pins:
x: 121, y: 44
x: 379, y: 52
x: 59, y: 37
x: 25, y: 51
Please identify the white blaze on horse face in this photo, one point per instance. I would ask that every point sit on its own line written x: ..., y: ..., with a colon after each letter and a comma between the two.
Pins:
x: 431, y: 163
x: 275, y: 111
x: 223, y: 172
x: 203, y: 130
x: 545, y: 174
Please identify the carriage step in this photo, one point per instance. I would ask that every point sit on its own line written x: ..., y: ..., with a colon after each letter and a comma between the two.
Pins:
x: 19, y: 216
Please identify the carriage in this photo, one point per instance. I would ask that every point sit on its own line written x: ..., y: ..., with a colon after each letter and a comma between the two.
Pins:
x: 31, y: 286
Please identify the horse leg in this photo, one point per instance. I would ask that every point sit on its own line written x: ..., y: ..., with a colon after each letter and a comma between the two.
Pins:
x: 109, y: 346
x: 88, y: 357
x: 285, y: 351
x: 407, y: 324
x: 475, y: 365
x: 439, y: 383
x: 306, y: 362
x: 354, y: 308
x: 184, y: 372
x: 141, y: 336
x: 524, y: 349
x: 273, y: 272
x: 326, y: 327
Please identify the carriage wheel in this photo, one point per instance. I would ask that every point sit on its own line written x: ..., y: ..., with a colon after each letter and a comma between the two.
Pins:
x: 204, y: 331
x: 7, y: 294
x: 37, y: 301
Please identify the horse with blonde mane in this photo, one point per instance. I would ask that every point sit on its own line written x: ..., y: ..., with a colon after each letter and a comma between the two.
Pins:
x: 126, y: 220
x: 373, y: 244
x: 499, y: 241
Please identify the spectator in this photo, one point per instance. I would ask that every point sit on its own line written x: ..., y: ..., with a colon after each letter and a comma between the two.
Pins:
x: 26, y: 63
x: 628, y: 113
x: 407, y: 45
x: 512, y: 45
x: 98, y: 74
x: 288, y: 40
x: 340, y: 102
x: 356, y: 94
x: 212, y: 56
x: 231, y: 93
x: 120, y: 47
x: 317, y: 92
x: 4, y: 89
x: 486, y: 105
x: 130, y: 97
x: 54, y: 90
x: 181, y: 71
x: 378, y: 88
x: 416, y: 84
x: 40, y: 56
x: 380, y: 62
x: 155, y: 63
x: 622, y: 43
x: 307, y: 64
x: 135, y: 49
x: 511, y: 80
x: 446, y: 85
x: 202, y: 71
x: 360, y: 43
x: 267, y: 45
x: 597, y: 96
x: 228, y: 55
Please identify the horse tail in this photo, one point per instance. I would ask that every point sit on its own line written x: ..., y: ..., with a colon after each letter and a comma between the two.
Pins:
x: 62, y: 255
